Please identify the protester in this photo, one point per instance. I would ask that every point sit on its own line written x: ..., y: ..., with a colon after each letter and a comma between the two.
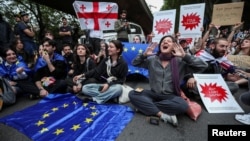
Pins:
x: 6, y: 33
x: 95, y: 37
x: 50, y: 70
x: 137, y: 39
x: 65, y: 32
x: 163, y: 99
x: 18, y: 73
x: 122, y: 27
x: 245, y: 99
x: 110, y: 74
x: 217, y: 62
x: 82, y: 63
x: 68, y: 55
x: 103, y: 53
x: 27, y: 34
x: 18, y: 47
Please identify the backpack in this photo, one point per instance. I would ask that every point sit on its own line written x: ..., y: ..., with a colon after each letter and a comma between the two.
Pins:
x: 8, y: 95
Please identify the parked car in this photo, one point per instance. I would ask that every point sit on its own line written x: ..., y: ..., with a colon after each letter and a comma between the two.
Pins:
x: 109, y: 35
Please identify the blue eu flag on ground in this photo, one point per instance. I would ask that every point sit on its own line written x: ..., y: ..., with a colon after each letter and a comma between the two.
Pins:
x: 66, y: 117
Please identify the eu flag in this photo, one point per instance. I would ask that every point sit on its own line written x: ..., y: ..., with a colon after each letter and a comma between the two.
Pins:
x: 130, y: 51
x: 66, y: 117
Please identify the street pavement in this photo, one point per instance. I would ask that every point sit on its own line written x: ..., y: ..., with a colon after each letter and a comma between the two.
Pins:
x: 139, y: 129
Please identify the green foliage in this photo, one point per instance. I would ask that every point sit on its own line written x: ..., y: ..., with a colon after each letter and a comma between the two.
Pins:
x: 41, y: 17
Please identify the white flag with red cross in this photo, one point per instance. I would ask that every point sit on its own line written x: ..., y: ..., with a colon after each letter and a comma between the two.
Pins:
x: 96, y: 15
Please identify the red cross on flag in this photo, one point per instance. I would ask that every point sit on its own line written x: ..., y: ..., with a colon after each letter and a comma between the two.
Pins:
x: 96, y: 15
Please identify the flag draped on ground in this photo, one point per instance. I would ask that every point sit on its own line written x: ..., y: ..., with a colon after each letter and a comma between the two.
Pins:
x: 66, y: 117
x: 96, y: 15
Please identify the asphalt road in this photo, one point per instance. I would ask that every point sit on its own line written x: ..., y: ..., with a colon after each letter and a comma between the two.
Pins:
x: 139, y: 128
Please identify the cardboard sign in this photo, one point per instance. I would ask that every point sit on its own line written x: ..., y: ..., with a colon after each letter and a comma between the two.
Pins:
x: 241, y: 61
x: 227, y: 14
x: 216, y: 95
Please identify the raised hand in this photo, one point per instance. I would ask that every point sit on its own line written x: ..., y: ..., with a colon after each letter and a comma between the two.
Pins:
x: 149, y: 50
x: 178, y: 50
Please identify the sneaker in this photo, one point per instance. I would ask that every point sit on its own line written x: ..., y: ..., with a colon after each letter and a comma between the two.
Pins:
x: 245, y: 119
x: 170, y: 119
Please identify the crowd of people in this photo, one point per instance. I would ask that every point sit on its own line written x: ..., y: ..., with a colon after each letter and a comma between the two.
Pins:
x: 39, y: 70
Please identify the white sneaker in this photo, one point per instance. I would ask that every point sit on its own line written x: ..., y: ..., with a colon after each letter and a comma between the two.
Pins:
x: 170, y: 119
x: 245, y: 119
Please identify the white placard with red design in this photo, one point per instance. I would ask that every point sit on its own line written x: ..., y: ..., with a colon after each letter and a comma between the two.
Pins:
x: 216, y: 95
x: 96, y: 15
x: 191, y: 20
x: 163, y: 24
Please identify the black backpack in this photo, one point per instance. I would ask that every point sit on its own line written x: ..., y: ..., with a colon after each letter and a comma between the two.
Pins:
x: 8, y: 95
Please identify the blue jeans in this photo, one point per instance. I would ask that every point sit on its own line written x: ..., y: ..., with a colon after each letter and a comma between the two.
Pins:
x: 92, y: 90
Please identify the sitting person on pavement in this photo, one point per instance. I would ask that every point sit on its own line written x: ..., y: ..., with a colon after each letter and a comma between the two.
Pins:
x: 218, y: 63
x: 110, y: 73
x: 18, y: 74
x: 82, y: 63
x: 163, y: 99
x: 50, y: 70
x: 245, y: 99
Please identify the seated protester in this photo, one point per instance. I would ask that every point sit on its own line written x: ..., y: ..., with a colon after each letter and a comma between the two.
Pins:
x: 110, y: 74
x: 137, y: 39
x: 18, y: 73
x: 18, y: 47
x: 68, y: 55
x: 50, y: 70
x: 245, y: 99
x: 82, y: 64
x: 103, y: 53
x: 163, y: 99
x: 217, y: 62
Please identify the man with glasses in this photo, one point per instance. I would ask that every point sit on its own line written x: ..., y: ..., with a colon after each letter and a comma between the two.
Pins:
x: 50, y: 70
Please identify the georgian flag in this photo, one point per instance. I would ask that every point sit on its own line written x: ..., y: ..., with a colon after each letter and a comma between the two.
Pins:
x: 205, y: 56
x: 96, y: 15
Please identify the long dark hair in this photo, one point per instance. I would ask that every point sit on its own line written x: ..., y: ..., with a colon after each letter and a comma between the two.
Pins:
x: 76, y: 57
x: 118, y: 44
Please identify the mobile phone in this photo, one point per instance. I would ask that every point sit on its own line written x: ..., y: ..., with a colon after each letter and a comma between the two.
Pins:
x: 154, y: 120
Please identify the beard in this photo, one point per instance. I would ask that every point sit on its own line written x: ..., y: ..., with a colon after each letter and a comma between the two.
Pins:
x: 217, y: 54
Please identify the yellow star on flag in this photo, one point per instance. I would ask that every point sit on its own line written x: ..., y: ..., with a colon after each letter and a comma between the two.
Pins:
x: 58, y: 131
x: 133, y: 48
x: 74, y: 103
x: 85, y: 104
x: 65, y: 105
x: 45, y: 115
x: 140, y: 51
x: 125, y: 49
x: 44, y: 130
x: 75, y: 127
x: 93, y: 113
x: 88, y: 120
x: 40, y: 123
x: 93, y: 107
x: 55, y: 109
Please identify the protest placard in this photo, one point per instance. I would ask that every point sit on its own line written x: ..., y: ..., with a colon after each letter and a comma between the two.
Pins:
x: 227, y: 13
x: 215, y: 94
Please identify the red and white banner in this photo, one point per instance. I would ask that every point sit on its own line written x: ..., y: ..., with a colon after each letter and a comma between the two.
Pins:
x: 191, y: 20
x: 164, y: 22
x: 96, y: 15
x: 215, y: 94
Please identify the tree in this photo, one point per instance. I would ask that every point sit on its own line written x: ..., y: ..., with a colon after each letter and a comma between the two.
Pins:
x: 42, y: 17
